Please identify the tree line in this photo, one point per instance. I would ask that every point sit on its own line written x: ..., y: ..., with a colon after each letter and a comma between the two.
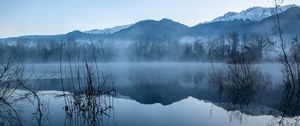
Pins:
x: 227, y: 48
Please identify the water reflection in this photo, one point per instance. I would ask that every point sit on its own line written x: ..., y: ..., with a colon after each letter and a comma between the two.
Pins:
x: 151, y: 85
x: 90, y: 100
x: 89, y: 110
x: 9, y: 114
x: 289, y: 108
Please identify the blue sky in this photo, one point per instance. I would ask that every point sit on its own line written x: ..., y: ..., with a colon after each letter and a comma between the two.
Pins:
x: 28, y: 17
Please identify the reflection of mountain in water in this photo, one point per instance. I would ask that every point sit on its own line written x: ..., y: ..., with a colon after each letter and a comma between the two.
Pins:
x: 168, y: 87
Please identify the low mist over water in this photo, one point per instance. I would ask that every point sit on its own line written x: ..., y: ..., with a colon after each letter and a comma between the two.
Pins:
x: 166, y: 90
x: 147, y: 63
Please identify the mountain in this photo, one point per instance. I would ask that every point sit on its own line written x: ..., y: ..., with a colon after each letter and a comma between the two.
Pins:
x: 253, y: 14
x: 152, y: 29
x: 215, y: 29
x: 107, y: 30
x: 290, y: 22
x: 77, y: 35
x: 168, y: 29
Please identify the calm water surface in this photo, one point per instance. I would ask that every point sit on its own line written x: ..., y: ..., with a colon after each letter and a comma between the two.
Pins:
x: 151, y: 94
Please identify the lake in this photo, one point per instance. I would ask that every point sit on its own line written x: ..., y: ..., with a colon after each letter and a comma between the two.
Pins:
x: 148, y: 94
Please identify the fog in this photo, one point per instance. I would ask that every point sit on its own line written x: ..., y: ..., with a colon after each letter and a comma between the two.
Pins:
x: 85, y: 78
x: 158, y: 78
x: 157, y: 87
x: 252, y: 47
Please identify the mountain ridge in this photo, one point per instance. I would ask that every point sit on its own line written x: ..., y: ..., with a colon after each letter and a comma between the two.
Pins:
x: 254, y: 13
x: 166, y: 28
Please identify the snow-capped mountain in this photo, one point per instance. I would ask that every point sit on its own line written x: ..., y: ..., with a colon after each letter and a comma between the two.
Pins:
x: 252, y: 20
x: 107, y: 30
x: 253, y: 14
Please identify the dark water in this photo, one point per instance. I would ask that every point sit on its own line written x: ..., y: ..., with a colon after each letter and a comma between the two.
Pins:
x: 166, y: 94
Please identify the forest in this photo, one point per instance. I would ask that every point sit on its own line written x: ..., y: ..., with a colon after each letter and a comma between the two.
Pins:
x: 250, y: 47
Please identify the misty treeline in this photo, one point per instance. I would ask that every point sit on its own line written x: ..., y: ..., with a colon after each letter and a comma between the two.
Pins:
x: 233, y: 46
x: 53, y: 50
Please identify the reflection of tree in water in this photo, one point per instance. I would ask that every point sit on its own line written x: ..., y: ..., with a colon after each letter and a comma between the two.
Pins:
x: 285, y: 121
x: 289, y: 108
x: 238, y: 86
x: 9, y: 115
x: 154, y: 87
x: 89, y: 110
x: 242, y: 85
x: 12, y: 77
x: 90, y: 102
x: 237, y: 115
x: 196, y: 79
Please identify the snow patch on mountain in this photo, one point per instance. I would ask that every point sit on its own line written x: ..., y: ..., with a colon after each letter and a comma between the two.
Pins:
x: 253, y: 14
x: 108, y: 30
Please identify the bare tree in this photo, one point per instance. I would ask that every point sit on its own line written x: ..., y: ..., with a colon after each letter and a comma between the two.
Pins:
x: 255, y: 45
x: 8, y: 84
x: 291, y: 71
